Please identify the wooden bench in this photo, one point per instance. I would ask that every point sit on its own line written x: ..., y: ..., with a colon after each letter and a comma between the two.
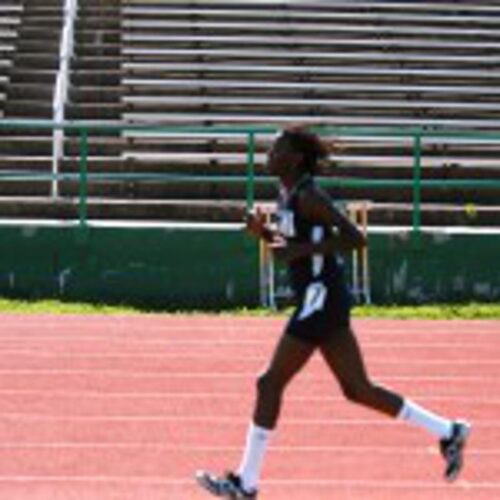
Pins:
x: 363, y: 6
x: 291, y: 26
x: 324, y: 48
x: 159, y: 103
x: 133, y: 68
x: 285, y: 119
x: 333, y: 14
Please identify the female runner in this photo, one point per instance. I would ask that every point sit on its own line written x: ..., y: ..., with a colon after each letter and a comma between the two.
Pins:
x: 310, y: 234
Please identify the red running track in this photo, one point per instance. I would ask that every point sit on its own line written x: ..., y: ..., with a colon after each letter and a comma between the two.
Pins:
x: 101, y: 408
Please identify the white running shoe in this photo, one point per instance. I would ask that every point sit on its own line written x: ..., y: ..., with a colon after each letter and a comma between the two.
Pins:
x: 229, y: 486
x: 452, y: 449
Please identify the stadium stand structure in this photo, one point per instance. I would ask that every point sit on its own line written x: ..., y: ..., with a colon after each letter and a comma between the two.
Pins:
x: 367, y: 63
x: 9, y: 21
x: 95, y: 96
x: 31, y: 64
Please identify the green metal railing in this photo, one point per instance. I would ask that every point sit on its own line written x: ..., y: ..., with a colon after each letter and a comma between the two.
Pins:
x: 85, y: 129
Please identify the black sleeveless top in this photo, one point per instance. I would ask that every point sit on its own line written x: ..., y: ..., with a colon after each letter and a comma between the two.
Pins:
x: 296, y: 228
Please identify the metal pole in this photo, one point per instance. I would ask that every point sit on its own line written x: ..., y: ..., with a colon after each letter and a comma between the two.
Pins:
x: 250, y: 171
x: 417, y: 178
x: 365, y: 256
x: 84, y: 151
x: 60, y: 96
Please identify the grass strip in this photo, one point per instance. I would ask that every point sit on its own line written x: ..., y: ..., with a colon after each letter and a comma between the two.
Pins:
x: 469, y: 311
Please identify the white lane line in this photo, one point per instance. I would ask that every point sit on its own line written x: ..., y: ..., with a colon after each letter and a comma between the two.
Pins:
x: 281, y: 483
x: 383, y: 484
x: 261, y: 333
x: 219, y: 396
x: 204, y: 419
x: 208, y: 322
x: 384, y: 450
x: 230, y: 375
x: 40, y: 354
x: 224, y: 341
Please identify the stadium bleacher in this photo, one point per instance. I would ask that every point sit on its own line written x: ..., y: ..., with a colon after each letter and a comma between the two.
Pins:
x: 210, y: 62
x: 96, y: 90
x: 9, y: 21
x: 32, y: 64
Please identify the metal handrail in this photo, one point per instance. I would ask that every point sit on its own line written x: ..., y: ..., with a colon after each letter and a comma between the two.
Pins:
x: 416, y: 134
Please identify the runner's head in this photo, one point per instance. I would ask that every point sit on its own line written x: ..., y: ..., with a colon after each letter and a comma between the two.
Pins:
x: 295, y: 152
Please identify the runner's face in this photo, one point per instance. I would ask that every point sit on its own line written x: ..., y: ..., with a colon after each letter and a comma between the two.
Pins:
x: 281, y: 159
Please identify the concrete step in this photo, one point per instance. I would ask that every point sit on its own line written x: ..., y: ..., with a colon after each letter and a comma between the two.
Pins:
x: 119, y: 209
x: 443, y: 173
x: 91, y: 36
x: 42, y: 15
x: 26, y: 146
x: 198, y: 151
x: 28, y: 109
x: 103, y: 63
x: 94, y: 111
x: 439, y: 195
x: 25, y: 130
x: 401, y: 215
x: 98, y: 128
x: 108, y: 8
x: 4, y: 82
x: 31, y: 91
x: 37, y: 61
x: 42, y: 10
x: 111, y: 77
x: 9, y: 22
x: 111, y: 22
x: 146, y: 186
x: 42, y: 22
x: 97, y: 146
x: 105, y: 95
x: 34, y: 46
x: 90, y: 4
x: 221, y: 211
x: 24, y: 188
x: 110, y: 164
x: 111, y: 51
x: 38, y: 33
x: 167, y: 190
x: 43, y: 164
x: 6, y: 50
x: 25, y: 164
x: 33, y: 5
x: 109, y: 185
x: 29, y: 75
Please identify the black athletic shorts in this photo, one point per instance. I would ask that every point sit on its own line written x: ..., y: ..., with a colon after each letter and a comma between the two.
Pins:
x: 321, y: 311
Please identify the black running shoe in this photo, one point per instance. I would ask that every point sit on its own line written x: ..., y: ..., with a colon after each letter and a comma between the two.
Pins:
x: 452, y: 449
x: 228, y: 486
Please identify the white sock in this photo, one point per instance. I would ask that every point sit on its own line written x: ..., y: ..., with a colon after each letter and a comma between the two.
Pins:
x: 415, y: 414
x: 253, y: 457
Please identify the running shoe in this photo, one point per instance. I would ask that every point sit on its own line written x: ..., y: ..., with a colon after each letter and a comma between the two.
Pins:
x: 229, y: 486
x: 452, y: 449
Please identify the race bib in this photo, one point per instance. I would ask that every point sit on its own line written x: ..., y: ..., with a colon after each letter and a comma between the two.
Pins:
x: 286, y: 223
x: 314, y: 300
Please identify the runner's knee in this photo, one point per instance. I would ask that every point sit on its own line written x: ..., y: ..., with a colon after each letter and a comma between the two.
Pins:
x: 358, y: 392
x: 269, y: 384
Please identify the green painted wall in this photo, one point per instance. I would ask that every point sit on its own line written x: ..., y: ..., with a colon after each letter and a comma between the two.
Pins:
x: 435, y: 268
x: 156, y: 267
x: 218, y: 268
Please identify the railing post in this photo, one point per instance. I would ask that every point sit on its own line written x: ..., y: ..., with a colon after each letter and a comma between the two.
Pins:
x: 84, y: 151
x: 417, y: 184
x: 61, y: 88
x: 250, y: 195
x: 57, y: 154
